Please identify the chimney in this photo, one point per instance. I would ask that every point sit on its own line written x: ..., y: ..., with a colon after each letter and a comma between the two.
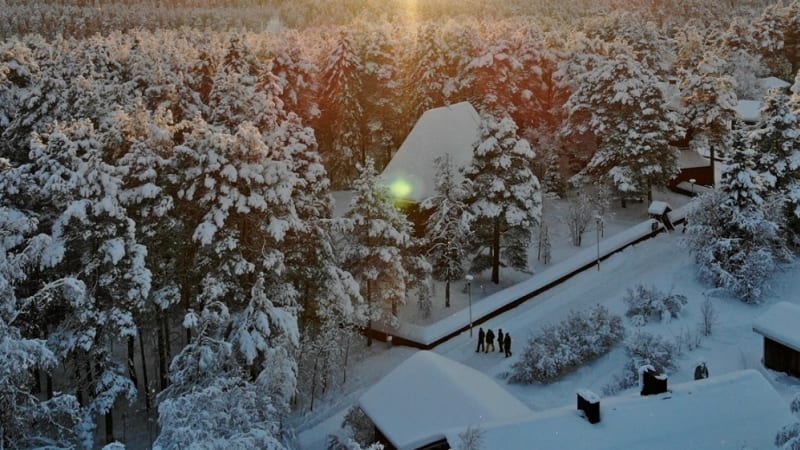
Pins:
x: 652, y: 381
x: 589, y: 403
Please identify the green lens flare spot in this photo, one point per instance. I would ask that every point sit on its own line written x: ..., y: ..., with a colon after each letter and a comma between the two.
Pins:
x: 400, y: 188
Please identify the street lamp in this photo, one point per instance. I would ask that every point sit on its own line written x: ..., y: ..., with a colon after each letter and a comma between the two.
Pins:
x: 693, y: 181
x: 598, y: 221
x: 469, y: 296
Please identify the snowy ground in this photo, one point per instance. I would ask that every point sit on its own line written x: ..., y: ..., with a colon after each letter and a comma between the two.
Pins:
x: 660, y: 262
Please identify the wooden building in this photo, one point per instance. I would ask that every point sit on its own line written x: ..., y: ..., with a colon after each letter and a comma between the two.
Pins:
x: 780, y: 326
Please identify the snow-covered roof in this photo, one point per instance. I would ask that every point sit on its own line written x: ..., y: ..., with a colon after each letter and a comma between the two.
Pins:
x: 773, y: 82
x: 731, y: 411
x: 690, y: 159
x: 781, y: 323
x: 429, y: 393
x: 450, y: 129
x: 658, y: 207
x: 749, y: 110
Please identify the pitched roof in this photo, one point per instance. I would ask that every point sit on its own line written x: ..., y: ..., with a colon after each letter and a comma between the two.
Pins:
x: 449, y: 129
x: 781, y: 323
x: 724, y: 412
x: 429, y: 393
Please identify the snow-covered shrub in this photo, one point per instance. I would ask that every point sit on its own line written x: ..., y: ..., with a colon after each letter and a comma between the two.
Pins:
x: 561, y: 348
x: 647, y: 348
x: 357, y: 432
x: 650, y: 303
x: 471, y: 438
x: 708, y: 317
x: 788, y: 438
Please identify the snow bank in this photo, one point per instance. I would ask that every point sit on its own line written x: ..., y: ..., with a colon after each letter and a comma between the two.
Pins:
x: 731, y: 411
x: 429, y: 393
x: 781, y: 323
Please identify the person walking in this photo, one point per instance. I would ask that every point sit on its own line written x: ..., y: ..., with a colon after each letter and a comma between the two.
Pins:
x: 500, y: 340
x: 701, y: 371
x: 489, y: 340
x: 507, y: 344
x: 481, y: 336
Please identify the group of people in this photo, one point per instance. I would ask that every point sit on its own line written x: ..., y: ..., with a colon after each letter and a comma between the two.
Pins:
x: 486, y: 341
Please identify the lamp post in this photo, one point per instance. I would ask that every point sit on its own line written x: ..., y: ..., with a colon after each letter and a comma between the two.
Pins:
x: 693, y: 181
x: 598, y: 220
x: 469, y: 296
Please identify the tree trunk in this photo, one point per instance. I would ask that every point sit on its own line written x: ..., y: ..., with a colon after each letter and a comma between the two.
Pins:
x: 132, y: 362
x: 447, y: 294
x: 37, y: 380
x: 110, y: 426
x: 496, y: 251
x: 712, y: 158
x: 145, y: 383
x: 162, y: 358
x: 369, y: 315
x: 49, y: 380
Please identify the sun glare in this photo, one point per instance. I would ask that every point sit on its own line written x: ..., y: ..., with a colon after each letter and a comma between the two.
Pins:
x: 400, y: 188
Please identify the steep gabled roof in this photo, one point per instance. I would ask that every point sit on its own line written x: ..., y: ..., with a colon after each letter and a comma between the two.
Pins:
x: 450, y: 129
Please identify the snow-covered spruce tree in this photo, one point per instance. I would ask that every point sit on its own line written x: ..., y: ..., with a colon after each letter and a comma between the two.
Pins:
x: 505, y: 197
x: 92, y: 272
x: 341, y: 112
x: 24, y: 357
x: 776, y: 142
x: 733, y: 233
x: 709, y: 100
x: 620, y: 103
x: 448, y: 227
x: 375, y: 246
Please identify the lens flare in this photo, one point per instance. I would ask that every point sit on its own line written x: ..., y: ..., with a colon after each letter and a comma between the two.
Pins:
x: 400, y: 188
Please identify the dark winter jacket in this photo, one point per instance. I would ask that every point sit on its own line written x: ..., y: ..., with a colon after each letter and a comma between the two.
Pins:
x: 490, y: 336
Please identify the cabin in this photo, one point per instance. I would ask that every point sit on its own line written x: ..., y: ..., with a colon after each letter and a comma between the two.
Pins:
x: 780, y: 327
x: 731, y: 411
x: 429, y: 393
x: 429, y: 401
x: 695, y: 176
x: 410, y: 176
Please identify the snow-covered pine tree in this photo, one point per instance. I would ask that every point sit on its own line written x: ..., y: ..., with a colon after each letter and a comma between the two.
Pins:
x: 448, y: 227
x: 377, y: 240
x: 505, y: 197
x: 427, y: 80
x: 382, y: 128
x: 733, y: 233
x: 341, y: 112
x: 493, y: 76
x: 24, y: 356
x: 332, y: 307
x: 709, y: 100
x: 776, y: 142
x: 295, y: 72
x: 76, y: 198
x: 620, y: 103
